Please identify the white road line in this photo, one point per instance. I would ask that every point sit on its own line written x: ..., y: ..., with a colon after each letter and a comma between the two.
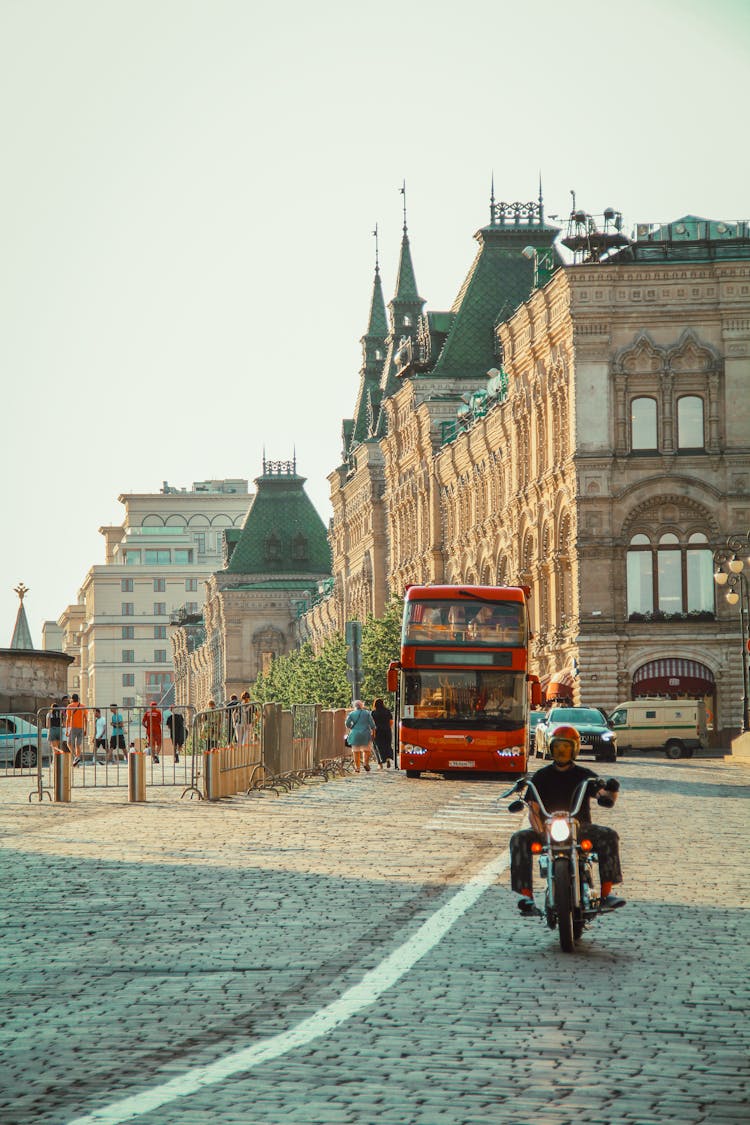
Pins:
x: 361, y: 995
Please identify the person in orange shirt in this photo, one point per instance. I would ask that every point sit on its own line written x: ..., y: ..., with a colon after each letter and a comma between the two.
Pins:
x: 75, y: 727
x: 152, y: 725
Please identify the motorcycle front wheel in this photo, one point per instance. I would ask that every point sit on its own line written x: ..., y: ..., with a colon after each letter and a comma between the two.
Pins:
x: 564, y: 905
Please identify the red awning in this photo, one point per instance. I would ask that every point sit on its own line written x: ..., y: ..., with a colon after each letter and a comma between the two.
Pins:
x: 560, y: 684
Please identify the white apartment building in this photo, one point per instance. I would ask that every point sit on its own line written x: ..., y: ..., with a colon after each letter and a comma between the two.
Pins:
x: 156, y: 564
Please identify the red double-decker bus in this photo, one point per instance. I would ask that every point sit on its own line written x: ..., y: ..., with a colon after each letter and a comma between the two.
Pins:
x: 462, y: 684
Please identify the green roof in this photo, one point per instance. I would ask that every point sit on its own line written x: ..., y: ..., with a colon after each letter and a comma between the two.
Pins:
x: 378, y: 324
x: 406, y: 282
x: 500, y: 279
x: 283, y: 533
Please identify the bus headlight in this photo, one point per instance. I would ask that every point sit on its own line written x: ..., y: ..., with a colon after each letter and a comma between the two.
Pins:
x: 409, y: 749
x: 559, y: 830
x: 510, y: 752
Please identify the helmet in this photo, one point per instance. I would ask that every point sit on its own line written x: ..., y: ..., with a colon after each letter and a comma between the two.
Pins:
x: 568, y: 734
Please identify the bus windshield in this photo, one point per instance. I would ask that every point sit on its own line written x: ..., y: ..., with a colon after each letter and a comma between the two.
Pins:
x: 474, y: 622
x: 483, y: 699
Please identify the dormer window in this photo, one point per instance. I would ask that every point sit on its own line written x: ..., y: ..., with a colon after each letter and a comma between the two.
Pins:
x: 272, y: 548
x: 299, y: 548
x: 378, y: 353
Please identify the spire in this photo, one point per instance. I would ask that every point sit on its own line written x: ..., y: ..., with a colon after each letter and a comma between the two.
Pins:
x: 541, y: 200
x: 374, y: 350
x: 377, y: 326
x: 21, y: 634
x: 406, y: 283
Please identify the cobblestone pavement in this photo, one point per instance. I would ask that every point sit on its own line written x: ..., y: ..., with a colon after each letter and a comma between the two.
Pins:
x: 144, y: 941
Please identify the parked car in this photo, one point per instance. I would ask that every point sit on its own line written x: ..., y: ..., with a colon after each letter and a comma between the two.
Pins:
x: 596, y: 736
x: 19, y: 741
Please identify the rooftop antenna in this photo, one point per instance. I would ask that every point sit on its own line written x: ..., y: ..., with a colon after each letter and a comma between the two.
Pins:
x: 541, y: 200
x: 574, y: 199
x: 492, y: 198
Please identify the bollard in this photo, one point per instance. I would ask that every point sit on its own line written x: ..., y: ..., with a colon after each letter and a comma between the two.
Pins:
x: 136, y: 775
x: 212, y: 774
x: 62, y: 774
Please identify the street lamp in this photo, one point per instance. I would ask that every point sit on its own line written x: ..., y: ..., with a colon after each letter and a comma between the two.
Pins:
x: 736, y: 587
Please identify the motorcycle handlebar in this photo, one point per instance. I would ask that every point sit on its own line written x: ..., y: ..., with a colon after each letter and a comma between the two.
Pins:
x: 595, y: 783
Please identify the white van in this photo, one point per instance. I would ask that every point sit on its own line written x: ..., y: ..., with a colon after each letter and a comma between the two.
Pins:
x: 678, y: 726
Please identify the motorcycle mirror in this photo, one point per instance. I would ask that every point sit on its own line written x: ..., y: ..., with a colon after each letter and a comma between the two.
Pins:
x: 516, y: 806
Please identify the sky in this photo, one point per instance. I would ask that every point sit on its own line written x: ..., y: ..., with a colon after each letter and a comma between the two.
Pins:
x: 188, y: 195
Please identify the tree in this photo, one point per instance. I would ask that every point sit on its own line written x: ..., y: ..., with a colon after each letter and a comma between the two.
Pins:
x: 381, y: 643
x: 303, y: 676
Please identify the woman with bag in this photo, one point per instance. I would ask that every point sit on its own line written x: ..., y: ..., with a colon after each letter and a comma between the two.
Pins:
x: 361, y: 727
x: 382, y: 739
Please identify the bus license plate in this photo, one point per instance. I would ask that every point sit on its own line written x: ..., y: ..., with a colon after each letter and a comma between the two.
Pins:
x: 461, y: 765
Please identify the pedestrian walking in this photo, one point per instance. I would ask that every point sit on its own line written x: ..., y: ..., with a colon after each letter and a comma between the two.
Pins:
x: 152, y: 726
x: 100, y: 733
x: 361, y: 727
x: 176, y: 726
x: 383, y: 737
x: 211, y: 726
x: 244, y: 717
x: 56, y: 723
x: 117, y: 733
x: 76, y: 725
x: 232, y: 714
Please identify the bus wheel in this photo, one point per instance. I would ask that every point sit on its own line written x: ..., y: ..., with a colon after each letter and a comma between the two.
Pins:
x: 413, y: 773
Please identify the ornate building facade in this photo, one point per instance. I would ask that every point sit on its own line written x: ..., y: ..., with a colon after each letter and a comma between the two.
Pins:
x: 273, y: 564
x: 589, y: 437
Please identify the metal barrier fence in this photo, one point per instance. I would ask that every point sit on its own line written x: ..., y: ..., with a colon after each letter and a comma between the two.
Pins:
x: 230, y: 741
x: 99, y: 740
x: 244, y: 747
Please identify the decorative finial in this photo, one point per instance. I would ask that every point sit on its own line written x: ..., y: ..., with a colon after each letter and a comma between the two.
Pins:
x: 492, y: 199
x: 541, y: 200
x: 21, y: 590
x: 375, y: 236
x: 402, y: 189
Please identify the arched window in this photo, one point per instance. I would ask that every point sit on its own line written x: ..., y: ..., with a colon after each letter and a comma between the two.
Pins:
x: 643, y: 424
x: 407, y: 322
x: 640, y: 566
x: 690, y: 422
x: 700, y: 575
x: 669, y: 574
x: 672, y: 577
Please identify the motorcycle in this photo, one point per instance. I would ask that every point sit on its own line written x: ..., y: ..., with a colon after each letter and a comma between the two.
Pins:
x: 566, y: 860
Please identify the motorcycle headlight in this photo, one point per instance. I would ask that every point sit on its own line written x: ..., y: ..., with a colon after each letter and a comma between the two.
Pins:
x: 559, y: 830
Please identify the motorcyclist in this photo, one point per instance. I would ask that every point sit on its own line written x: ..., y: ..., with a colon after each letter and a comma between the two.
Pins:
x: 556, y: 785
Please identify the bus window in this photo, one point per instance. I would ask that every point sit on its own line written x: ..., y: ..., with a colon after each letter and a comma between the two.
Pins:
x: 477, y: 623
x: 478, y: 697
